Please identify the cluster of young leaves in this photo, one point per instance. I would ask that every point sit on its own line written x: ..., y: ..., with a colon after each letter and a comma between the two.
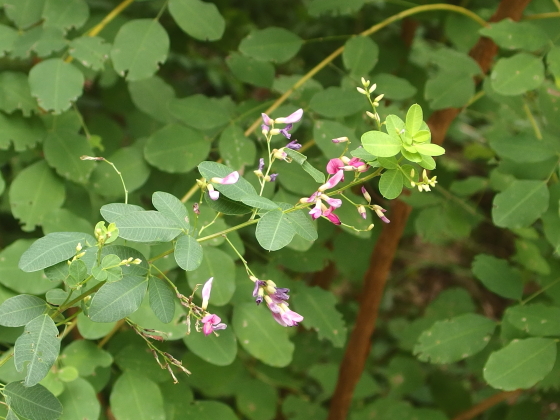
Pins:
x: 75, y: 85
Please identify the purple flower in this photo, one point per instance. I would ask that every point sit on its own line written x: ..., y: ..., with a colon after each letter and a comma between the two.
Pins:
x: 280, y: 295
x: 333, y: 181
x: 212, y: 323
x: 273, y: 177
x: 261, y: 164
x: 267, y: 120
x: 206, y: 289
x: 294, y: 145
x: 292, y: 118
x: 285, y: 131
x: 258, y: 291
x: 291, y: 318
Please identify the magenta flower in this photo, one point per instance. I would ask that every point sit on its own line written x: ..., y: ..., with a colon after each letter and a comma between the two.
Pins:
x: 331, y: 216
x: 292, y: 118
x: 212, y: 323
x: 316, y: 211
x: 379, y: 211
x: 334, y: 166
x: 333, y: 181
x: 285, y: 131
x: 206, y: 289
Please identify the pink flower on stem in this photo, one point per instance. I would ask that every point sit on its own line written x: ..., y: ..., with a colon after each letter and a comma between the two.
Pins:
x: 206, y: 289
x: 227, y: 180
x: 292, y: 118
x: 366, y: 195
x: 212, y: 323
x: 331, y: 216
x: 316, y: 211
x: 333, y: 181
x: 333, y: 202
x: 362, y: 210
x: 334, y: 166
x: 282, y: 314
x: 379, y: 211
x: 267, y: 120
x: 214, y: 195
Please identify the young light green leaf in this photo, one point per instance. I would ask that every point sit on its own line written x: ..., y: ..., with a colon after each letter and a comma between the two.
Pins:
x: 134, y: 396
x: 79, y: 401
x: 391, y: 183
x: 520, y: 364
x: 517, y: 74
x: 237, y: 191
x: 271, y: 44
x: 37, y: 349
x: 188, y: 253
x: 176, y: 149
x: 139, y: 47
x: 360, y: 55
x: 33, y: 403
x: 261, y: 335
x: 199, y: 19
x: 219, y: 350
x: 113, y: 211
x: 318, y: 308
x: 274, y: 230
x: 56, y: 84
x: 414, y: 119
x: 34, y: 193
x: 250, y: 70
x: 215, y: 263
x: 454, y: 339
x: 90, y: 51
x: 498, y: 276
x: 147, y: 226
x: 52, y: 249
x: 536, y: 319
x: 380, y: 144
x: 520, y: 204
x: 161, y: 299
x: 429, y: 149
x: 171, y: 207
x: 114, y: 301
x: 19, y: 310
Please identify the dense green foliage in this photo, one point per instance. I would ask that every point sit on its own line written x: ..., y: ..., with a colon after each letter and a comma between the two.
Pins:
x: 121, y: 124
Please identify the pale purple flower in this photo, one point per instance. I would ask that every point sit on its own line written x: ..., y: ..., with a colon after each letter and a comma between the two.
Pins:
x: 261, y: 164
x: 258, y: 291
x: 214, y: 195
x: 267, y: 120
x: 316, y: 211
x: 334, y: 202
x: 294, y: 145
x: 333, y: 181
x: 334, y: 166
x: 291, y: 318
x: 212, y: 323
x: 379, y: 211
x: 280, y: 295
x: 206, y: 289
x: 228, y: 179
x: 273, y: 177
x: 292, y: 118
x: 285, y: 131
x: 340, y: 139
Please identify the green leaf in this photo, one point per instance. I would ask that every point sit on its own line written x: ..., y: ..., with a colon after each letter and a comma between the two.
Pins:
x: 323, y: 133
x: 515, y: 35
x: 135, y: 397
x: 449, y: 89
x: 360, y: 55
x: 429, y: 149
x: 116, y: 300
x: 41, y: 40
x: 517, y: 74
x: 335, y: 102
x: 552, y: 60
x: 23, y: 132
x: 520, y: 364
x: 200, y: 112
x: 93, y: 330
x: 171, y: 207
x: 209, y: 410
x: 393, y: 87
x: 274, y: 230
x: 318, y: 308
x: 271, y: 44
x: 391, y: 183
x: 226, y: 205
x: 55, y: 84
x: 250, y: 70
x: 257, y: 399
x: 521, y: 148
x: 498, y: 276
x: 261, y: 336
x: 536, y: 319
x: 215, y: 263
x: 380, y: 144
x: 220, y: 351
x: 23, y: 13
x: 520, y: 204
x: 188, y: 253
x: 302, y: 224
x: 7, y: 37
x: 452, y: 61
x: 414, y: 119
x: 147, y: 226
x: 130, y: 163
x: 33, y: 403
x: 153, y: 96
x: 140, y: 45
x: 36, y: 349
x: 65, y: 14
x: 63, y: 149
x: 19, y: 310
x: 90, y: 51
x: 236, y: 149
x: 199, y: 19
x: 161, y: 299
x: 259, y: 202
x: 52, y: 249
x: 112, y: 212
x: 79, y: 401
x: 176, y: 149
x: 86, y: 357
x: 454, y: 339
x: 15, y: 93
x: 237, y: 191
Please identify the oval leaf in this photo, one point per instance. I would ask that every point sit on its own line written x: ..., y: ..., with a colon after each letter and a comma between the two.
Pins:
x: 147, y: 226
x: 19, y: 310
x: 521, y: 204
x: 114, y: 301
x: 274, y: 230
x: 188, y: 253
x: 199, y: 19
x: 161, y: 299
x: 381, y: 144
x: 34, y: 403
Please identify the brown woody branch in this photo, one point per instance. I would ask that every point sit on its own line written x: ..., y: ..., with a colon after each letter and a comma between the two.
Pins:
x: 384, y: 251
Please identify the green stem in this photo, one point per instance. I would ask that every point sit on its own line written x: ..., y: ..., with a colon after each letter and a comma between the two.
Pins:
x: 79, y: 298
x: 544, y: 289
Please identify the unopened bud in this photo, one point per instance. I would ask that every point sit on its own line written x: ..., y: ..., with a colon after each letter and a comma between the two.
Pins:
x: 369, y: 114
x: 378, y: 98
x: 79, y: 247
x: 365, y: 83
x: 137, y: 261
x: 361, y: 90
x: 370, y: 227
x: 372, y: 88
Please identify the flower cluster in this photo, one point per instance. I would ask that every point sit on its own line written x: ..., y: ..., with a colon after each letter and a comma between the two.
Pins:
x: 276, y: 299
x: 426, y: 182
x: 268, y: 127
x: 318, y: 197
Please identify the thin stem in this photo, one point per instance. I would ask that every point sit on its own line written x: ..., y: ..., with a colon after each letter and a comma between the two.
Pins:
x: 534, y: 124
x: 538, y: 292
x: 107, y: 19
x: 71, y: 326
x: 115, y: 329
x: 209, y: 224
x: 161, y: 10
x: 536, y: 16
x: 226, y: 231
x: 79, y: 298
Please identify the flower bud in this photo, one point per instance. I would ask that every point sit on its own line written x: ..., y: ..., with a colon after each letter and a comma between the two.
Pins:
x: 372, y: 88
x: 361, y: 90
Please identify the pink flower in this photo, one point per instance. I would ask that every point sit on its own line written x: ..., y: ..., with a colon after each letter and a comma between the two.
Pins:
x: 214, y: 195
x: 334, y: 166
x: 379, y: 211
x: 362, y: 210
x: 291, y: 318
x: 340, y: 139
x: 228, y: 179
x: 317, y: 210
x: 334, y: 202
x: 206, y: 292
x: 212, y: 323
x: 331, y: 216
x: 267, y: 120
x: 366, y: 194
x: 292, y: 118
x: 333, y: 181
